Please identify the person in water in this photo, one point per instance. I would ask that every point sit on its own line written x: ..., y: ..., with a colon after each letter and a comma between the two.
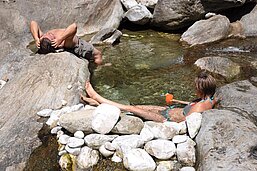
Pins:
x: 64, y: 38
x: 205, y: 89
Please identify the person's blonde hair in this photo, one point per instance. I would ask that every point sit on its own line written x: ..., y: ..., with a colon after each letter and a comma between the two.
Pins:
x: 205, y: 84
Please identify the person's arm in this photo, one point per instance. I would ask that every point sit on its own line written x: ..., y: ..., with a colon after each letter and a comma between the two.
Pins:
x: 70, y: 31
x: 36, y: 32
x: 180, y: 101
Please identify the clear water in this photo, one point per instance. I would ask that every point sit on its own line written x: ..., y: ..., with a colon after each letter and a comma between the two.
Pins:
x: 147, y: 63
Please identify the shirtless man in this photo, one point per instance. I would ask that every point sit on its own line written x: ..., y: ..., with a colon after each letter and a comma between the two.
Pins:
x: 64, y: 38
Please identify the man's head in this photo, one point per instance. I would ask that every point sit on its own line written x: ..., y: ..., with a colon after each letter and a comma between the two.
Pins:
x: 46, y: 46
x: 205, y: 85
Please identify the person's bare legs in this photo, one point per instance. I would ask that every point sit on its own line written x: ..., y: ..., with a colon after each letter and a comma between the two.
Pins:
x: 87, y: 100
x: 97, y: 56
x: 137, y: 111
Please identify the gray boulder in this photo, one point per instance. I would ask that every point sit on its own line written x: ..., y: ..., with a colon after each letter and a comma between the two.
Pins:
x: 206, y: 31
x: 41, y: 84
x: 249, y: 23
x: 226, y: 141
x: 80, y: 120
x: 240, y: 96
x: 148, y: 3
x: 219, y: 65
x: 128, y: 125
x: 176, y: 14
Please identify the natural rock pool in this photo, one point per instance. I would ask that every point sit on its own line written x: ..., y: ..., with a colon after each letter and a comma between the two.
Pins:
x: 145, y: 64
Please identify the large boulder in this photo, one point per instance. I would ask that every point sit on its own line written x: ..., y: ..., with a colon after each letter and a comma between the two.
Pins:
x: 41, y: 84
x: 206, y: 31
x: 240, y: 96
x: 249, y: 24
x: 226, y: 141
x: 176, y: 14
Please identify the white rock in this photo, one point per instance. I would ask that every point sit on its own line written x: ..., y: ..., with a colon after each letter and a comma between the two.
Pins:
x: 166, y: 165
x: 64, y: 102
x: 74, y: 142
x: 146, y: 133
x: 187, y: 169
x: 116, y: 158
x: 161, y: 149
x: 186, y: 153
x: 174, y: 125
x: 133, y: 141
x: 2, y: 83
x: 148, y: 3
x: 59, y: 133
x: 209, y: 15
x: 54, y: 118
x: 158, y: 130
x: 183, y: 127
x: 87, y: 158
x: 63, y: 139
x: 105, y: 152
x: 45, y: 112
x: 179, y: 139
x: 96, y: 140
x: 79, y: 134
x: 76, y: 107
x: 69, y: 87
x: 110, y: 146
x: 73, y: 151
x: 193, y: 122
x: 105, y: 118
x: 88, y: 107
x: 139, y: 160
x: 60, y: 153
x: 66, y: 109
x: 129, y: 3
x: 56, y: 129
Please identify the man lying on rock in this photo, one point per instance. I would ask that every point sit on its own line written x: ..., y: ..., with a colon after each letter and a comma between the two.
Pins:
x: 64, y: 38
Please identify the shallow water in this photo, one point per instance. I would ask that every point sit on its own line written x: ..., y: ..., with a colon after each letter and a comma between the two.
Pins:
x: 146, y: 64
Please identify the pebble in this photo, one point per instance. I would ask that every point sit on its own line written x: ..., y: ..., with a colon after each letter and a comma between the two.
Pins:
x: 59, y: 133
x: 2, y: 83
x: 64, y: 102
x: 60, y: 153
x: 64, y: 139
x: 56, y: 129
x: 69, y: 87
x: 116, y: 159
x: 79, y: 134
x: 74, y: 142
x: 74, y: 151
x: 45, y: 112
x: 179, y: 138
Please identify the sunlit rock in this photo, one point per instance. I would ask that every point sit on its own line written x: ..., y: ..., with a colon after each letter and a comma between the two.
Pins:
x: 193, y: 122
x: 138, y: 159
x: 87, y: 158
x: 161, y: 149
x: 96, y: 140
x: 105, y: 117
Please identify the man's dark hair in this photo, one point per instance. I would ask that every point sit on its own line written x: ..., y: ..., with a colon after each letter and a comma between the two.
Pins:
x: 46, y: 46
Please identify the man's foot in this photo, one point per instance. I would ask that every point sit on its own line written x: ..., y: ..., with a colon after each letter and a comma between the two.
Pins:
x: 87, y: 100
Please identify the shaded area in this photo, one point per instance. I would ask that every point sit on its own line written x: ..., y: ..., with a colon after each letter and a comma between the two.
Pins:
x: 45, y: 157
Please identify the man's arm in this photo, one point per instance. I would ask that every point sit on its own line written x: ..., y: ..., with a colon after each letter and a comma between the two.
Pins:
x: 36, y: 32
x: 70, y: 31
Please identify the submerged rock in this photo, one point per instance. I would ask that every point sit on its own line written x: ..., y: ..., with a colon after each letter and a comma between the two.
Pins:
x: 219, y: 65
